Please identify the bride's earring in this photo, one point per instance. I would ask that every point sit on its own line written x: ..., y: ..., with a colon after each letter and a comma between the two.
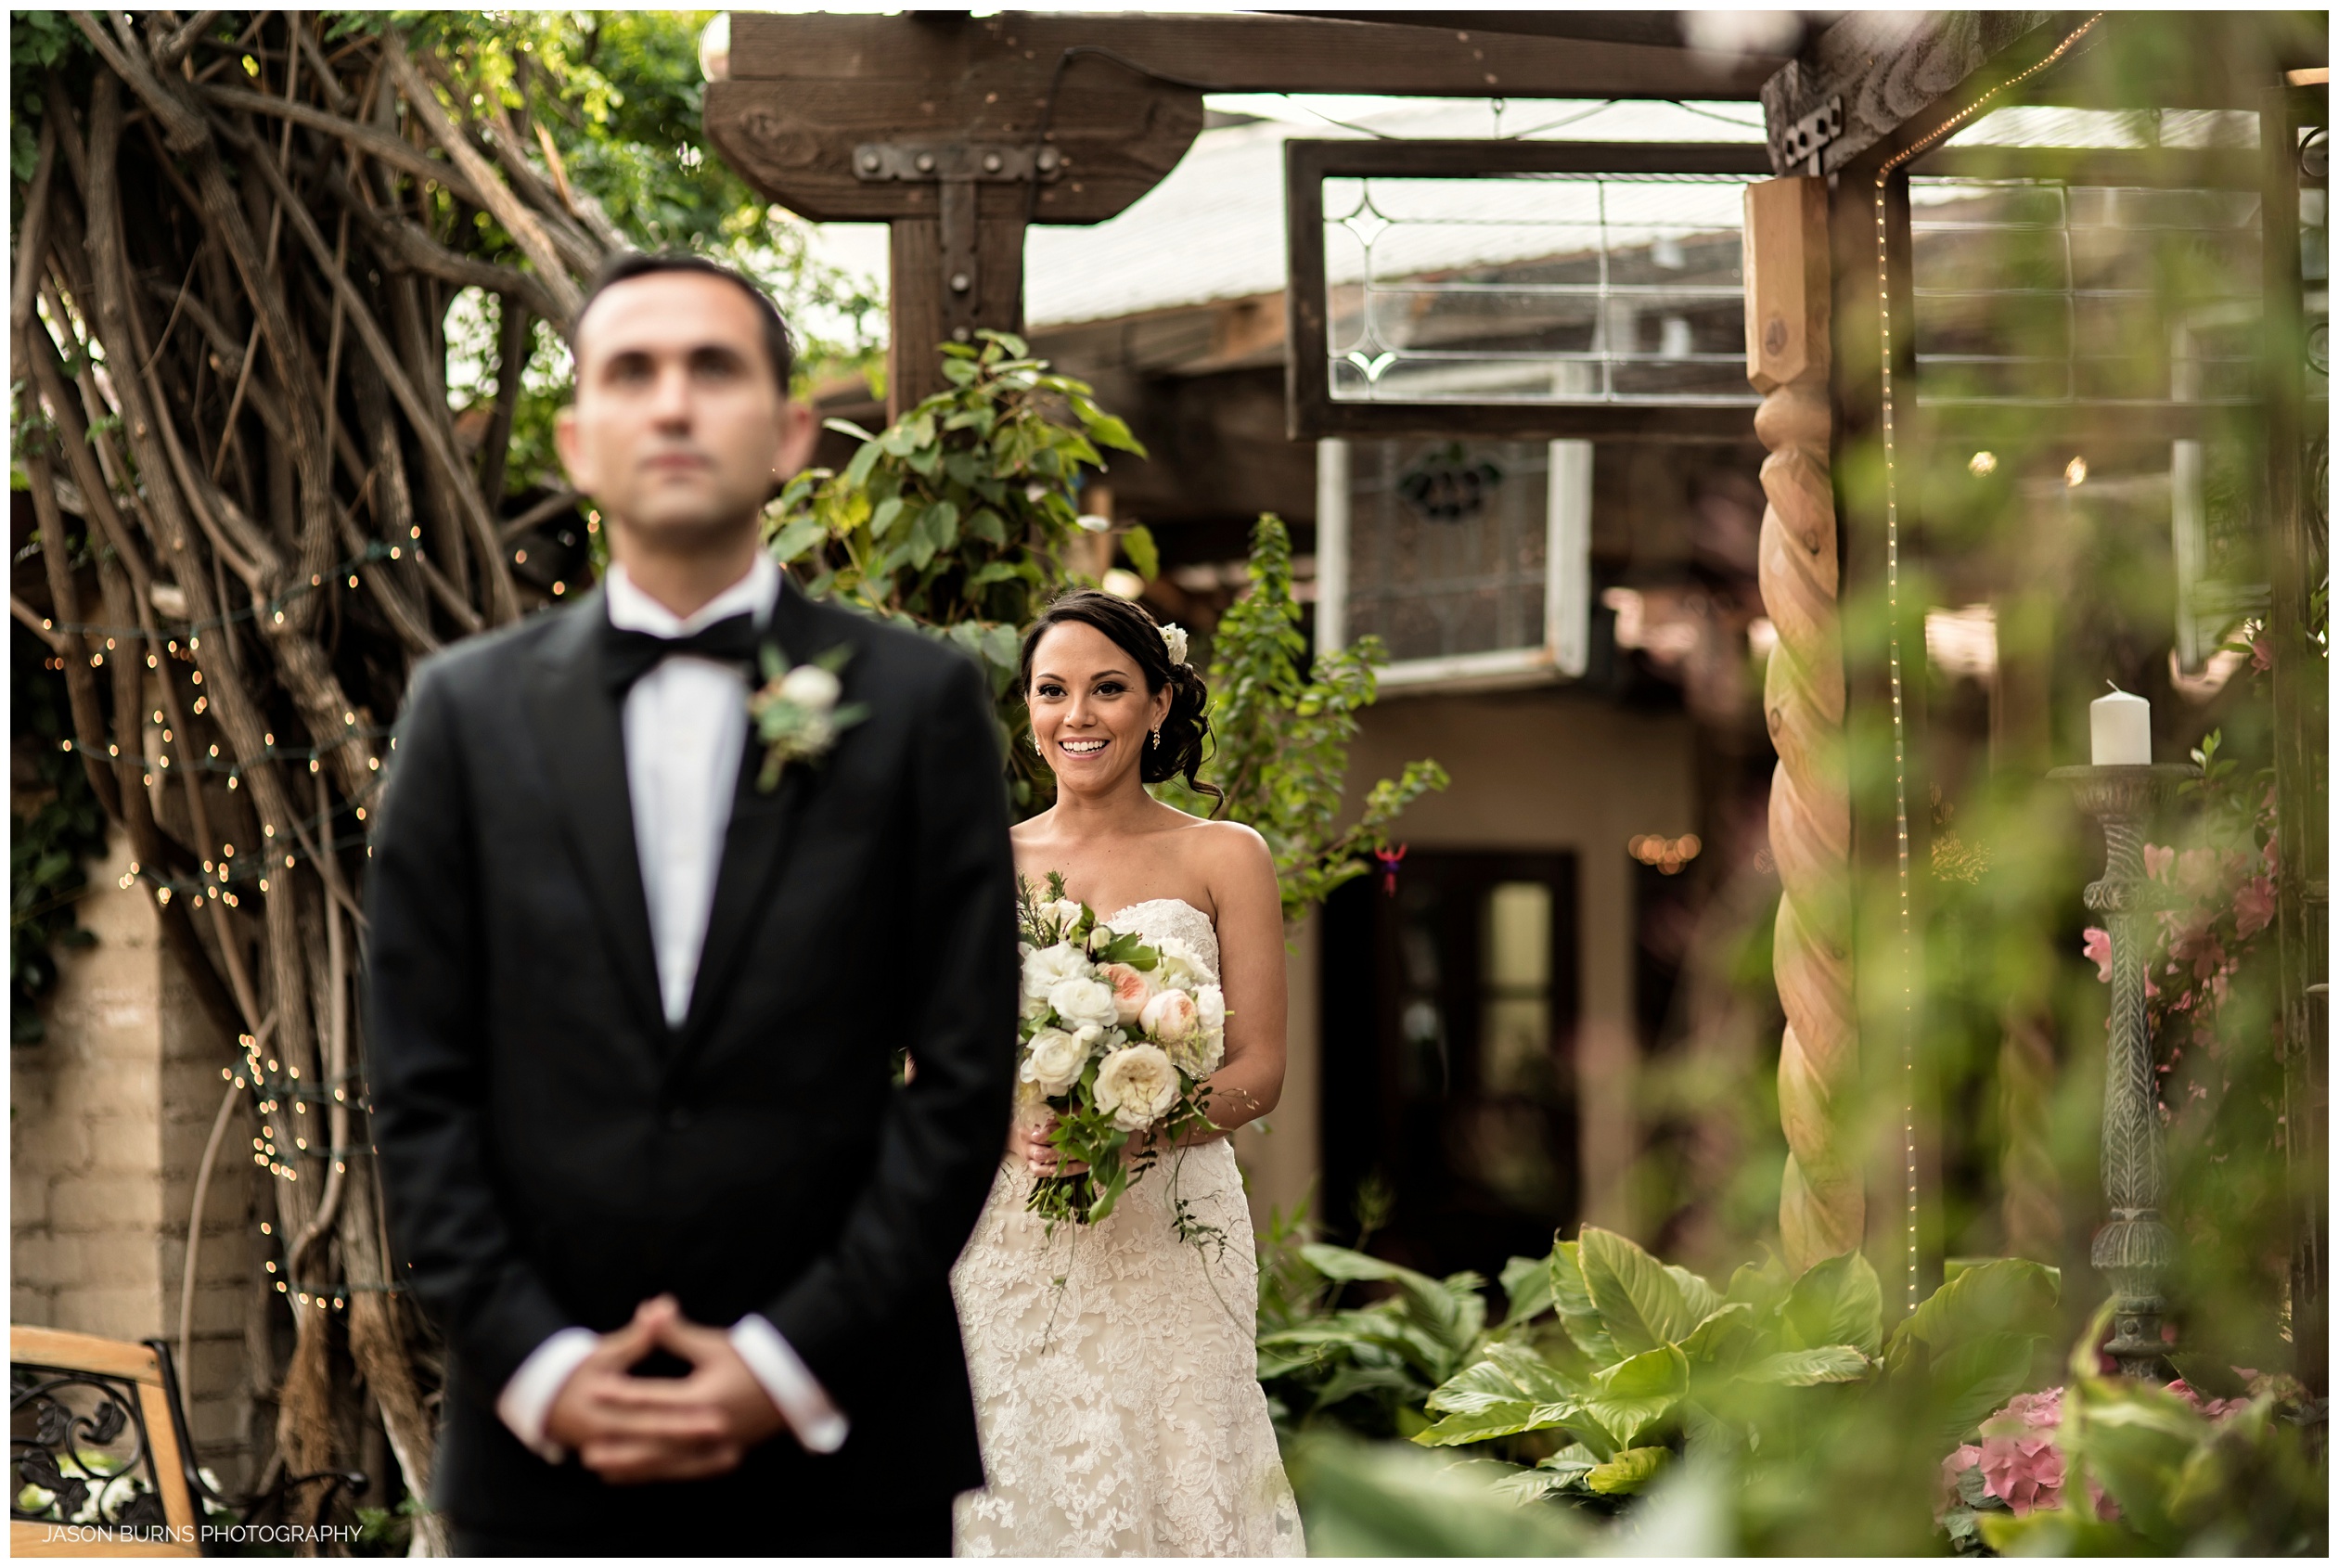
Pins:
x: 1157, y: 737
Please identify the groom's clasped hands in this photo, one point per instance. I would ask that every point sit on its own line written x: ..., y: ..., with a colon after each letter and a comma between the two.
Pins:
x: 629, y: 1429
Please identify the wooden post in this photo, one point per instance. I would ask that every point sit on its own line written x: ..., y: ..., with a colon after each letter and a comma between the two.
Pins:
x: 2302, y: 698
x: 1822, y: 1206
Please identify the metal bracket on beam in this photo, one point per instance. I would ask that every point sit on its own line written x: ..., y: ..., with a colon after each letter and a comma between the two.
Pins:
x: 1807, y: 135
x: 929, y: 162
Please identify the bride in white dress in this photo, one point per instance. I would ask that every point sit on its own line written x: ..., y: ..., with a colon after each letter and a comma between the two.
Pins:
x: 1115, y: 1380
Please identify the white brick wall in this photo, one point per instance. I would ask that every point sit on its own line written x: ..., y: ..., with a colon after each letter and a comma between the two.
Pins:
x: 109, y: 1116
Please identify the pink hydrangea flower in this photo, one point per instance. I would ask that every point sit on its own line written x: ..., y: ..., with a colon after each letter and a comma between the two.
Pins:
x: 2253, y: 906
x: 2097, y: 949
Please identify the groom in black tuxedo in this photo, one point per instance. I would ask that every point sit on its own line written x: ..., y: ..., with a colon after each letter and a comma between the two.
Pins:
x: 634, y: 1016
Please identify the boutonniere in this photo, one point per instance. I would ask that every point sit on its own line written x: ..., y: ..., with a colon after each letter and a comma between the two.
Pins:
x: 796, y: 714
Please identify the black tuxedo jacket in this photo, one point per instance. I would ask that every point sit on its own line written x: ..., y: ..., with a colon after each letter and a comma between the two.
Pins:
x: 554, y: 1154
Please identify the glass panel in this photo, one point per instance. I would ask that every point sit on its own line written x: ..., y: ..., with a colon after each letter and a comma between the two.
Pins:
x: 1447, y: 541
x: 1514, y: 1050
x: 1538, y: 289
x: 2036, y: 290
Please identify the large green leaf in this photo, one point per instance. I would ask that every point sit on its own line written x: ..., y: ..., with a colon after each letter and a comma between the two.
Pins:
x: 2003, y: 1296
x: 1526, y: 1285
x: 1508, y: 1372
x: 1628, y: 1472
x: 1388, y: 1500
x: 1972, y: 1378
x: 2135, y: 1440
x: 1721, y: 1340
x: 1702, y: 1299
x: 1803, y: 1368
x: 1636, y: 1394
x: 2057, y: 1533
x: 1505, y: 1418
x: 1450, y: 1312
x: 1639, y: 1302
x: 1837, y: 1301
x: 1574, y: 1299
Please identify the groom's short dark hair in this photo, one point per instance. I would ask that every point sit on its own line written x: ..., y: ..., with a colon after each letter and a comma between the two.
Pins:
x: 779, y: 344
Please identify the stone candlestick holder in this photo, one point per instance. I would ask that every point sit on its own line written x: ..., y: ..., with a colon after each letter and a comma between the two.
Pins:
x: 2135, y: 1249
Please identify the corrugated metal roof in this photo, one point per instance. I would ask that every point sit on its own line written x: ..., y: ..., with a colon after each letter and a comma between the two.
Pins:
x: 1214, y: 229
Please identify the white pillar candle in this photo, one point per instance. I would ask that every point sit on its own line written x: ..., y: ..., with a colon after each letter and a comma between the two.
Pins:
x: 2122, y: 730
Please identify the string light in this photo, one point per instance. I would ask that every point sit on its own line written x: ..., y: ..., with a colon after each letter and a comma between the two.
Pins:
x: 1892, y: 597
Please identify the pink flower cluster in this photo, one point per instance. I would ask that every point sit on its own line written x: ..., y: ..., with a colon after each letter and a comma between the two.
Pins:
x: 2020, y: 1463
x: 2021, y: 1466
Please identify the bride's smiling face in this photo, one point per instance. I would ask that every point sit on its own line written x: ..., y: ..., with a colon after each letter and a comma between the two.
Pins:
x: 1091, y: 714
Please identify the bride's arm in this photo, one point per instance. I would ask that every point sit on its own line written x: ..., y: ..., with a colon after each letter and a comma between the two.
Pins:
x: 1241, y: 875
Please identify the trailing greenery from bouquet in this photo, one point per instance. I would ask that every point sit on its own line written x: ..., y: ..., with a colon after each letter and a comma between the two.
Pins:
x: 958, y: 518
x: 1283, y: 726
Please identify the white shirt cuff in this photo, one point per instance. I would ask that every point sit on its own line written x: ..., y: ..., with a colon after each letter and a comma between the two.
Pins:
x: 803, y: 1403
x: 526, y: 1402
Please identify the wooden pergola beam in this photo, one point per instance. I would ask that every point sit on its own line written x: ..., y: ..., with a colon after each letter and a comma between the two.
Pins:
x: 1246, y: 54
x: 1885, y: 68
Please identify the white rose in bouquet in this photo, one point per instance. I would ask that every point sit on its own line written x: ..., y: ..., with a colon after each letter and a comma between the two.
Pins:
x: 1132, y: 988
x: 1083, y: 1001
x: 1055, y: 1058
x: 1061, y: 913
x: 1212, y: 1003
x: 1100, y: 936
x: 1047, y: 968
x: 1136, y: 1085
x: 1180, y: 967
x: 1170, y: 1017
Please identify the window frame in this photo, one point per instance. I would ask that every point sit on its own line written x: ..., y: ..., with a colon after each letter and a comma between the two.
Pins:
x: 1313, y: 414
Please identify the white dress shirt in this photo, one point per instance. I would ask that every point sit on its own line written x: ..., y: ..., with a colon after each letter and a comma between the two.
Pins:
x: 685, y: 727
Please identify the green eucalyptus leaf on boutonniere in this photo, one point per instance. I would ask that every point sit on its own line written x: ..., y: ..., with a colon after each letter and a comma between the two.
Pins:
x: 795, y: 711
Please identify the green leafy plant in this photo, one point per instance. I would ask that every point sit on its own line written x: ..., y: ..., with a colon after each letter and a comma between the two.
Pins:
x: 1282, y: 730
x: 956, y: 519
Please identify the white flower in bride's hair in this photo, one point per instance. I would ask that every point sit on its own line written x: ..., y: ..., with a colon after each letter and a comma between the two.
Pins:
x: 811, y: 688
x: 1132, y: 989
x: 1212, y: 1003
x: 1055, y: 1058
x: 1136, y: 1087
x: 1170, y: 1017
x: 1174, y: 639
x: 1083, y: 1001
x: 1045, y: 967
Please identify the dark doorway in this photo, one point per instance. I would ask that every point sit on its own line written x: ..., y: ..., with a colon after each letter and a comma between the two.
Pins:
x: 1450, y: 1021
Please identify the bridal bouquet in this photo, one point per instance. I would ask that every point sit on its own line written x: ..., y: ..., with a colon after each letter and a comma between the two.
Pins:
x: 1118, y: 1034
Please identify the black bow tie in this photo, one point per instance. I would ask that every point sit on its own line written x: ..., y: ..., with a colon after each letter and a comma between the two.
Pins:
x: 628, y: 656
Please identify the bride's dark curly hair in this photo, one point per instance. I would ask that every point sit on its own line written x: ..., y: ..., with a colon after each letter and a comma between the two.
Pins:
x: 1135, y: 633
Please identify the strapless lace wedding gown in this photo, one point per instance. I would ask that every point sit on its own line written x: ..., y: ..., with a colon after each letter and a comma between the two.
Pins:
x: 1115, y: 1378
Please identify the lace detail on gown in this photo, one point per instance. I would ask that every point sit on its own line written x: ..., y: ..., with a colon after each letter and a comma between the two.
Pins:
x: 1115, y: 1376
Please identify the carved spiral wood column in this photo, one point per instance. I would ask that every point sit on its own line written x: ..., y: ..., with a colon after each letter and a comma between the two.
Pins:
x: 1822, y: 1205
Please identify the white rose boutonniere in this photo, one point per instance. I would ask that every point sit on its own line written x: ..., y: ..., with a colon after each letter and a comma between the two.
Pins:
x: 795, y: 712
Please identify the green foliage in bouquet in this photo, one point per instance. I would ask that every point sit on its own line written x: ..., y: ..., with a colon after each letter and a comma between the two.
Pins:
x: 956, y: 519
x: 1282, y: 727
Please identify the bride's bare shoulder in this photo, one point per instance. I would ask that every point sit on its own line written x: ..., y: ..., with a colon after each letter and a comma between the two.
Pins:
x: 1229, y: 848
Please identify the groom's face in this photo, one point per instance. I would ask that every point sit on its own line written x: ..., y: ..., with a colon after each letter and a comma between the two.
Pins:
x: 680, y: 430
